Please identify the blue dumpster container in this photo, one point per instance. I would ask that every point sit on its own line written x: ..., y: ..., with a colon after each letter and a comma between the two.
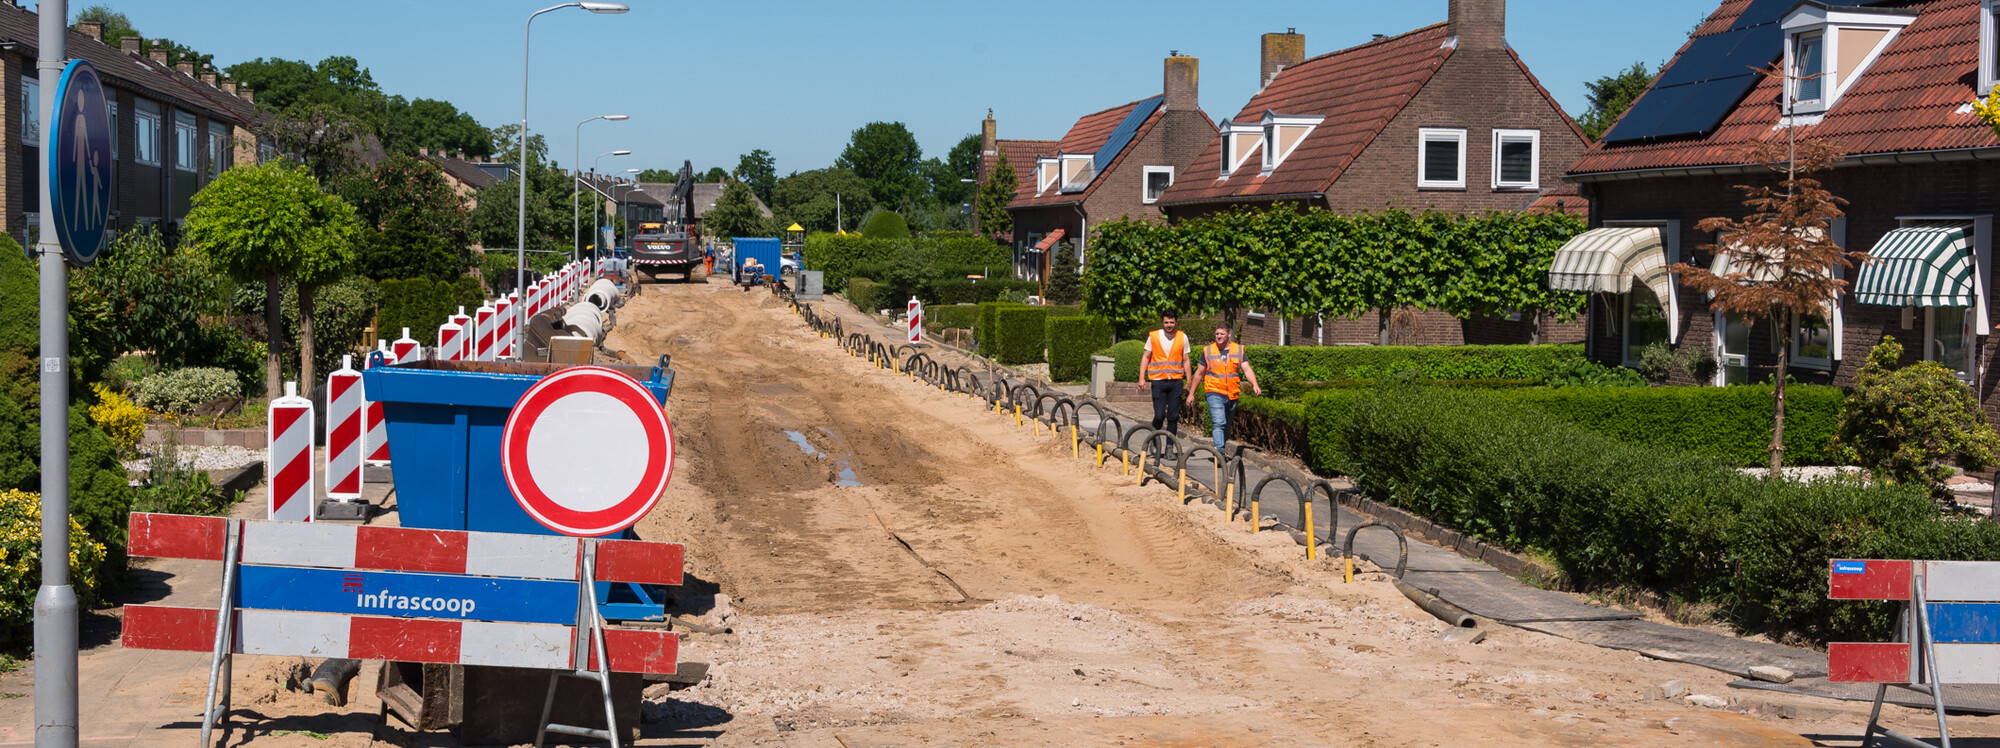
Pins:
x: 444, y: 420
x: 764, y: 249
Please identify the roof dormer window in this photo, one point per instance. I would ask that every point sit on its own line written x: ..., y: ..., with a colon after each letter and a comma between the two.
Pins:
x: 1989, y: 46
x: 1282, y: 134
x: 1045, y: 174
x: 1077, y: 171
x: 1827, y: 48
x: 1239, y: 142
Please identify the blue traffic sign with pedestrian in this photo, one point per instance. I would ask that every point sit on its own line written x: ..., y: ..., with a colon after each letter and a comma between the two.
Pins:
x: 79, y: 163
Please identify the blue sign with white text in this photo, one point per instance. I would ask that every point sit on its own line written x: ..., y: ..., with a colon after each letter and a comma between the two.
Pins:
x: 407, y: 595
x: 79, y: 163
x: 1850, y: 567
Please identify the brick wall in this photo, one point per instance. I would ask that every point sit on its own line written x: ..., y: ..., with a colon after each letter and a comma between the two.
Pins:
x: 1877, y: 196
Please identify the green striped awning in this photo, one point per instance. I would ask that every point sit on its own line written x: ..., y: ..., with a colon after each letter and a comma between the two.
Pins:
x: 1607, y: 260
x: 1921, y: 266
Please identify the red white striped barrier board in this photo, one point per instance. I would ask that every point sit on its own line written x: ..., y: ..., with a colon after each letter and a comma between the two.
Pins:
x: 289, y: 461
x: 448, y: 345
x: 484, y: 322
x: 504, y: 337
x: 406, y: 348
x: 916, y: 320
x: 346, y: 427
x: 376, y: 442
x: 465, y: 333
x: 1961, y: 616
x: 290, y: 633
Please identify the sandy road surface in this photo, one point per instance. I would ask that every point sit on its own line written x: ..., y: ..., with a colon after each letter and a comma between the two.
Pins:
x: 907, y: 569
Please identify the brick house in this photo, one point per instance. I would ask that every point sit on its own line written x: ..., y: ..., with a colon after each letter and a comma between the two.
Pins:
x: 1889, y: 83
x: 1021, y: 156
x: 1446, y: 117
x: 1112, y: 164
x: 176, y: 128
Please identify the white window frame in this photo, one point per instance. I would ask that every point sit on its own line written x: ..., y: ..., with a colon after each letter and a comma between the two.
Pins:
x: 1232, y: 159
x: 1083, y: 178
x: 1428, y: 135
x: 141, y: 143
x: 1271, y: 124
x: 1044, y: 177
x: 1809, y: 19
x: 1534, y: 140
x: 1146, y: 181
x: 1971, y: 374
x: 31, y: 112
x: 1836, y: 315
x: 1989, y: 38
x: 1670, y: 234
x: 189, y: 151
x: 111, y: 108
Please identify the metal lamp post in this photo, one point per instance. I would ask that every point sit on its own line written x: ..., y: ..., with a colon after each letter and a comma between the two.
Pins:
x: 599, y: 220
x: 521, y: 169
x: 576, y: 192
x: 623, y: 217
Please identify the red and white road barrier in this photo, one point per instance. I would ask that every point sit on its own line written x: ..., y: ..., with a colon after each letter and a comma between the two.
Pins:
x: 504, y: 334
x: 376, y: 443
x: 289, y: 462
x: 449, y: 345
x: 484, y: 321
x: 916, y: 320
x: 406, y: 349
x: 465, y: 333
x: 346, y: 428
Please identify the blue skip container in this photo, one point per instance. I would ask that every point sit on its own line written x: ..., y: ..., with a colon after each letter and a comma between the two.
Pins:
x: 445, y: 419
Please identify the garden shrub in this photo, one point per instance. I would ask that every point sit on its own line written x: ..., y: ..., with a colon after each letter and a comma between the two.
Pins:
x: 962, y: 253
x: 21, y: 564
x: 1071, y: 341
x: 122, y: 420
x: 861, y: 292
x: 1731, y: 424
x: 886, y: 224
x: 987, y: 333
x: 1277, y: 365
x: 172, y: 486
x: 1125, y: 355
x: 1612, y: 513
x: 962, y: 291
x: 181, y: 391
x: 1022, y: 333
x: 953, y: 317
x: 1907, y: 424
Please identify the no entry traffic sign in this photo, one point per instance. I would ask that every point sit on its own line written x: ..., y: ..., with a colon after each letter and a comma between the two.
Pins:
x: 587, y: 451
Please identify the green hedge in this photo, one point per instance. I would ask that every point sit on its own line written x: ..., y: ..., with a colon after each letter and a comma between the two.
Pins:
x: 422, y: 305
x: 839, y: 255
x: 1732, y: 424
x: 1278, y: 365
x: 959, y: 316
x: 1071, y: 342
x: 987, y: 333
x: 1022, y: 333
x: 1126, y: 354
x: 962, y: 291
x: 1612, y: 513
x: 861, y: 292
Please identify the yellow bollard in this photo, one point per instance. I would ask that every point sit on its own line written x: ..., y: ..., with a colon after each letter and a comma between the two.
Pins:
x: 1075, y: 446
x: 1017, y: 415
x: 1310, y: 541
x: 1124, y: 468
x: 1255, y: 515
x: 1100, y: 454
x: 1229, y: 501
x: 1348, y: 564
x: 1183, y: 485
x: 1142, y: 469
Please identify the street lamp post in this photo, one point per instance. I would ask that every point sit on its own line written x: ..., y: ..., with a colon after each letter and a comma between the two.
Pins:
x: 576, y: 192
x: 622, y: 214
x: 521, y: 169
x: 598, y: 221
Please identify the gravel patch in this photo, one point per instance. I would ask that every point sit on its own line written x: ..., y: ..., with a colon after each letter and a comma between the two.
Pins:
x: 1810, y: 473
x: 201, y: 458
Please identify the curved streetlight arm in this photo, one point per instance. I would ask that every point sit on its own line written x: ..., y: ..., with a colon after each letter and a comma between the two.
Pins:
x: 576, y: 197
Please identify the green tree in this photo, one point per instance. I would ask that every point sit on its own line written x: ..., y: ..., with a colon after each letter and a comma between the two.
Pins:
x: 886, y: 225
x: 713, y: 175
x: 760, y: 171
x: 161, y: 296
x: 668, y: 176
x: 272, y: 222
x: 116, y: 25
x: 1610, y: 96
x: 433, y: 124
x: 960, y: 164
x: 990, y: 207
x: 551, y: 224
x: 886, y: 156
x: 412, y: 223
x: 321, y: 136
x: 1065, y: 285
x: 808, y: 198
x: 1908, y: 424
x: 506, y: 145
x: 736, y: 214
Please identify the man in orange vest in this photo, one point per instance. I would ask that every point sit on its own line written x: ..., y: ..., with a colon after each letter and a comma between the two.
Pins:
x: 1222, y: 369
x: 1165, y: 367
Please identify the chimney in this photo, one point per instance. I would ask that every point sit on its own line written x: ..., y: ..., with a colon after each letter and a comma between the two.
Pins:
x: 1478, y: 24
x: 186, y: 67
x: 229, y: 85
x: 208, y: 77
x: 989, y: 138
x: 1281, y: 51
x: 424, y: 151
x: 130, y: 44
x: 1183, y: 83
x: 158, y: 54
x: 248, y: 93
x: 92, y: 29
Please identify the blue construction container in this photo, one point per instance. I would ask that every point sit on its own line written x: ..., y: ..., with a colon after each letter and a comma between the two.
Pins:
x: 765, y: 250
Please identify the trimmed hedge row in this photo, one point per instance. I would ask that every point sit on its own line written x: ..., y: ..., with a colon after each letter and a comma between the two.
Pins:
x: 1279, y: 365
x: 422, y: 305
x: 1732, y: 424
x: 953, y: 317
x: 986, y: 333
x: 1071, y: 341
x: 1612, y: 513
x: 1022, y: 333
x: 1126, y: 355
x: 962, y: 291
x: 861, y: 292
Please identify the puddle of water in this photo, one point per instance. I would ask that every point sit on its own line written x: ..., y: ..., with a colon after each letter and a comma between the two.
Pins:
x: 843, y: 476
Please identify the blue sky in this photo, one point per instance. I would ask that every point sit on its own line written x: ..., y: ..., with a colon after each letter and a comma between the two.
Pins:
x: 707, y: 81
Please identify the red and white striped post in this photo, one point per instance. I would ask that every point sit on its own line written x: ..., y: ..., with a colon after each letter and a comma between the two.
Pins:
x: 346, y: 426
x: 916, y: 320
x: 463, y: 322
x: 375, y: 445
x: 449, y: 345
x: 406, y: 348
x: 289, y: 462
x: 483, y: 321
x: 503, y: 326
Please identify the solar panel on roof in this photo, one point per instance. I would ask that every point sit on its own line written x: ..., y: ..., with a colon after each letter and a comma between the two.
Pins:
x: 1123, y: 135
x: 1762, y: 12
x: 1699, y: 88
x: 1647, y: 113
x: 1707, y: 103
x: 1695, y: 64
x: 1760, y: 46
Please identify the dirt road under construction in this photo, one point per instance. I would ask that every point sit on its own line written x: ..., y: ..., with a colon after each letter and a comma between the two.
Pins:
x: 903, y: 567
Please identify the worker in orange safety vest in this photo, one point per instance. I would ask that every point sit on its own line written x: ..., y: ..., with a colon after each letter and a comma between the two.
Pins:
x: 1165, y: 366
x: 1222, y: 369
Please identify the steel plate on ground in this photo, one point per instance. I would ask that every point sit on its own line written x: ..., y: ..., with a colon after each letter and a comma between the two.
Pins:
x: 1965, y: 698
x: 1692, y: 646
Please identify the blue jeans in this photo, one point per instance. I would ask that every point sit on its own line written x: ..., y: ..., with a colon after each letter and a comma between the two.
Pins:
x: 1221, y: 408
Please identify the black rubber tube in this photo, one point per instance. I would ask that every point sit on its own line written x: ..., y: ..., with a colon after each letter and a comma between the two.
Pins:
x: 1402, y: 544
x: 1436, y: 606
x: 1257, y: 492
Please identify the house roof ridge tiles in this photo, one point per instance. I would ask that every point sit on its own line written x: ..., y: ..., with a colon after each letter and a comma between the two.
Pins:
x: 1359, y: 90
x: 22, y: 26
x: 1910, y: 100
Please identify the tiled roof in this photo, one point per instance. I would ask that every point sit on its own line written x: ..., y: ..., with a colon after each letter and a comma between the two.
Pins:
x: 1086, y: 136
x: 1021, y: 155
x: 1564, y: 199
x: 1908, y: 100
x: 150, y: 79
x: 465, y: 172
x: 706, y: 193
x: 1358, y: 90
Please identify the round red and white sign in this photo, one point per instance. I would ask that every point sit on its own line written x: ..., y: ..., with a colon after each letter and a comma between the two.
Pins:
x: 587, y: 451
